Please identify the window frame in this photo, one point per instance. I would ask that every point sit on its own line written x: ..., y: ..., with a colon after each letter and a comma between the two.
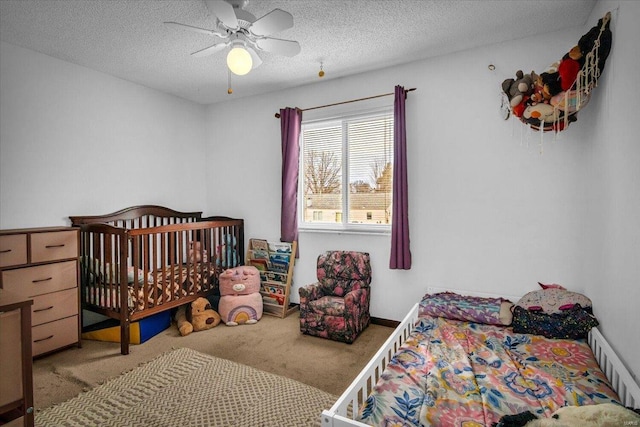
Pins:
x: 344, y: 226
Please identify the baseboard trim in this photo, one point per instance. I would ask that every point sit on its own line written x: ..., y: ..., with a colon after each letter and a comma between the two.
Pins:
x: 374, y: 320
x: 385, y: 322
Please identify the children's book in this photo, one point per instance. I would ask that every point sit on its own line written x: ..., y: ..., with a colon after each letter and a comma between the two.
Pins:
x: 259, y: 244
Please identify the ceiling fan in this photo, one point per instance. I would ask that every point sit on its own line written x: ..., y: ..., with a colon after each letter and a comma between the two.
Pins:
x: 244, y: 34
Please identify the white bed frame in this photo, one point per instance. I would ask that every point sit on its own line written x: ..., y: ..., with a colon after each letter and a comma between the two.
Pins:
x: 348, y: 405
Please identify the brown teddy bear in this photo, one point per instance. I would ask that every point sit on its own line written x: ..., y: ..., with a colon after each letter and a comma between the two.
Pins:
x: 197, y: 316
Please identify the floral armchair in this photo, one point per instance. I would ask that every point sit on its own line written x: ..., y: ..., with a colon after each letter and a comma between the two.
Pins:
x: 337, y: 306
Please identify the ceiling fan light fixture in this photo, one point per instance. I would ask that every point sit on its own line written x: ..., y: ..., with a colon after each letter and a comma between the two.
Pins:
x: 239, y: 61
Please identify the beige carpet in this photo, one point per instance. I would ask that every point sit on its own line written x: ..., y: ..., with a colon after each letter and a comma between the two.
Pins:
x: 186, y: 388
x: 273, y: 345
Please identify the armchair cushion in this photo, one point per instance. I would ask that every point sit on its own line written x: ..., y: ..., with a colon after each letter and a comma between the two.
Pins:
x: 329, y: 305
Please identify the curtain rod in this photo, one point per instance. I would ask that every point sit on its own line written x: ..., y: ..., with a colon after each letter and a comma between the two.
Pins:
x: 277, y: 115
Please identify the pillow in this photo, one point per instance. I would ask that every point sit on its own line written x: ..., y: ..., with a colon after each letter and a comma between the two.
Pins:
x: 492, y: 311
x: 552, y: 300
x: 573, y: 323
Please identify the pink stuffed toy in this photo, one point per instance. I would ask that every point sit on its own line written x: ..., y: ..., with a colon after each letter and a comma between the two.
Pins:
x: 196, y: 253
x: 240, y: 299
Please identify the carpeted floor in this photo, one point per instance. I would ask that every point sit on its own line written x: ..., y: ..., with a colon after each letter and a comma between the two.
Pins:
x: 186, y: 388
x: 272, y: 345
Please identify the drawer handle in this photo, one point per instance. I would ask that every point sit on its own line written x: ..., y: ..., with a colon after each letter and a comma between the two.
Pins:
x: 42, y: 280
x: 43, y: 309
x: 5, y: 251
x: 43, y: 339
x: 54, y: 246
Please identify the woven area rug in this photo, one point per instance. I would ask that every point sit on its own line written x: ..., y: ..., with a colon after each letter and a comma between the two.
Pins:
x: 188, y: 388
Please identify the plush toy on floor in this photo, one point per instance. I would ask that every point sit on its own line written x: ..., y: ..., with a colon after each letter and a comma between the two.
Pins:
x: 601, y: 415
x: 240, y: 299
x: 197, y: 316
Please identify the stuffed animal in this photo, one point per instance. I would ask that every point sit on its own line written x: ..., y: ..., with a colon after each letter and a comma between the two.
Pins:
x: 601, y: 415
x: 601, y: 34
x: 540, y: 114
x: 516, y: 89
x: 196, y: 253
x: 197, y: 316
x: 240, y: 299
x: 228, y: 252
x: 551, y: 83
x: 518, y: 110
x: 556, y: 86
x: 569, y: 68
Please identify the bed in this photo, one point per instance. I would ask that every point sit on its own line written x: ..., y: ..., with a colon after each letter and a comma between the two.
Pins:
x: 143, y: 260
x: 447, y: 372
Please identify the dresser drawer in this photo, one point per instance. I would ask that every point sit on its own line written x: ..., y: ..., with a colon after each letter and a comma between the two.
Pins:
x: 53, y: 335
x: 54, y: 245
x: 41, y: 279
x: 10, y: 357
x: 50, y: 307
x: 13, y: 250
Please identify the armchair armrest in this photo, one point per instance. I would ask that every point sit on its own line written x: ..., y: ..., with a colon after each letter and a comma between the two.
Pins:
x: 310, y: 293
x: 357, y: 298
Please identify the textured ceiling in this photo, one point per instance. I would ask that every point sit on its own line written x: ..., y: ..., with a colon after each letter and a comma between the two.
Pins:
x: 127, y: 38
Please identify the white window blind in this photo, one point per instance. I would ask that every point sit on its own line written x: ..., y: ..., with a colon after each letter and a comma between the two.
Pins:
x: 346, y: 170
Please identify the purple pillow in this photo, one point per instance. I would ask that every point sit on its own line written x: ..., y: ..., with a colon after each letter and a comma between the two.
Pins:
x: 491, y: 311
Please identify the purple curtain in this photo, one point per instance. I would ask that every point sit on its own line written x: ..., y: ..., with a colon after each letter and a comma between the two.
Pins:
x: 290, y: 122
x: 400, y: 249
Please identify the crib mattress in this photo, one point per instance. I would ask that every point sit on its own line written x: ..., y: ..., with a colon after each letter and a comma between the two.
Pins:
x: 454, y: 373
x: 167, y: 284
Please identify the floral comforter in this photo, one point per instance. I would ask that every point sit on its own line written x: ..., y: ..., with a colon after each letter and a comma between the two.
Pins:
x: 454, y: 373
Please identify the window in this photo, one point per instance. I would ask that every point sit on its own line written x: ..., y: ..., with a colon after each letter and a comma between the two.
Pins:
x: 346, y: 173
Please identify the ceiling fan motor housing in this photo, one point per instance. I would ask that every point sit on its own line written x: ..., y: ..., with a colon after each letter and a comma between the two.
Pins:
x: 237, y: 28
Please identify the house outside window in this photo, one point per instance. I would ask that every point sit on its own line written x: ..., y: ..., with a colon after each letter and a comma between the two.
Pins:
x: 346, y: 173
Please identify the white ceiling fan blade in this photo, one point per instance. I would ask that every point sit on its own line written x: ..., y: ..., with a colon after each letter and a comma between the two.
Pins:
x: 275, y: 21
x: 210, y: 50
x: 279, y: 46
x: 192, y: 28
x: 224, y: 12
x: 254, y: 57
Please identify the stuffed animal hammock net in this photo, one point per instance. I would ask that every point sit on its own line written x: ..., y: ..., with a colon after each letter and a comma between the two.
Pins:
x: 551, y: 100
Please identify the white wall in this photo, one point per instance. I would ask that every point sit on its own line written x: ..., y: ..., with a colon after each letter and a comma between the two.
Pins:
x: 613, y: 187
x: 74, y: 141
x: 487, y: 211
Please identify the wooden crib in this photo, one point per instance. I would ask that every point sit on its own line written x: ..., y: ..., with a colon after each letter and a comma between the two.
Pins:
x: 142, y: 260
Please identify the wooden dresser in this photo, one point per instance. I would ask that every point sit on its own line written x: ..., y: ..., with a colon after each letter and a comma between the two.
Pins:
x: 16, y: 368
x: 42, y: 264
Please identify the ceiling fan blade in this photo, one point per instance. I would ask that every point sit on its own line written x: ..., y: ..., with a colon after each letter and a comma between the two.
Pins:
x: 254, y: 57
x: 192, y: 28
x: 210, y: 50
x: 282, y: 47
x: 273, y: 22
x: 224, y: 12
